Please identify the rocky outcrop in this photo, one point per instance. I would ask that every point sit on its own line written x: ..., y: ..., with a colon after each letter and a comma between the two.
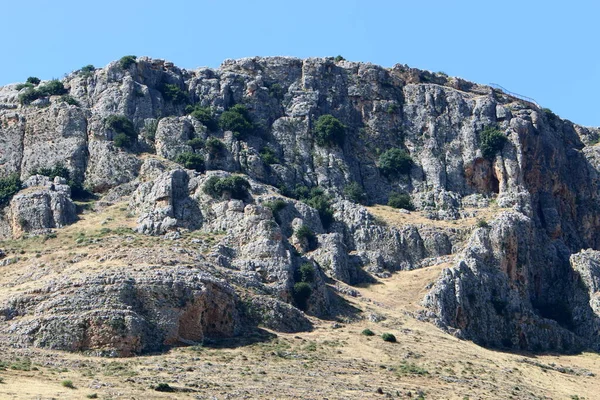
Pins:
x: 513, y: 284
x: 124, y: 314
x: 40, y: 207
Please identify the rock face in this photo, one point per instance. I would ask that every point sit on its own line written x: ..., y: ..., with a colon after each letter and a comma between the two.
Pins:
x: 520, y: 281
x: 125, y: 314
x: 42, y: 206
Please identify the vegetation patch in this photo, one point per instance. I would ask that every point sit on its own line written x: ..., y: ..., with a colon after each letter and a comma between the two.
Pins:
x: 329, y: 131
x: 9, y: 186
x: 237, y: 120
x: 214, y: 146
x: 191, y: 161
x: 126, y: 136
x: 492, y: 141
x: 52, y: 88
x: 388, y: 337
x: 395, y: 162
x: 268, y: 156
x: 400, y: 200
x: 233, y: 186
x: 204, y: 115
x: 367, y: 332
x: 354, y: 192
x: 307, y: 236
x: 127, y: 61
x: 173, y: 93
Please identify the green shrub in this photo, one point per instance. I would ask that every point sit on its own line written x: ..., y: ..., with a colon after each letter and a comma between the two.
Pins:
x: 33, y: 80
x: 87, y: 71
x: 306, y: 273
x: 164, y: 387
x: 234, y: 186
x: 400, y: 200
x: 268, y: 156
x: 276, y: 91
x: 367, y: 332
x: 492, y: 141
x: 322, y: 203
x: 126, y: 61
x: 339, y: 58
x: 196, y: 143
x: 301, y: 293
x: 388, y: 337
x: 395, y: 162
x: 77, y: 189
x: 276, y: 205
x: 22, y: 86
x: 317, y: 199
x: 150, y: 129
x: 70, y: 100
x: 305, y: 234
x: 482, y: 223
x: 53, y: 88
x: 121, y: 140
x: 204, y: 115
x: 173, y: 93
x: 92, y: 396
x: 329, y: 131
x: 191, y: 161
x: 355, y: 193
x: 9, y: 186
x: 126, y: 135
x: 214, y: 146
x: 29, y: 96
x: 68, y: 384
x: 237, y: 120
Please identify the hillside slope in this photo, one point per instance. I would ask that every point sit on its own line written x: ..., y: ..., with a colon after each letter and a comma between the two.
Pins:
x: 242, y: 189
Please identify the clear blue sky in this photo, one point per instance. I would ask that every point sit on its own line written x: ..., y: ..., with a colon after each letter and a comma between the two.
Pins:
x: 545, y: 50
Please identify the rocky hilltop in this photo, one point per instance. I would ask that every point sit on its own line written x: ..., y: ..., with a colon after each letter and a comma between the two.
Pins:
x: 259, y: 185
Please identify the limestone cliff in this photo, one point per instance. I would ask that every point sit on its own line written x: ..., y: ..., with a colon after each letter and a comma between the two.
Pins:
x: 125, y: 131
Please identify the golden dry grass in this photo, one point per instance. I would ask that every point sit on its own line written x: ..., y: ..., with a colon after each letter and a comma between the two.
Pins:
x: 330, y: 362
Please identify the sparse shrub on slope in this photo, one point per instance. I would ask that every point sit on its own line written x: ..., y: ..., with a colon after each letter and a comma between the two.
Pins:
x: 354, y: 192
x: 234, y: 186
x: 126, y: 61
x: 191, y: 161
x: 237, y: 120
x: 492, y: 141
x: 395, y: 162
x: 9, y: 186
x: 126, y: 135
x: 204, y: 115
x: 400, y: 200
x: 173, y: 93
x: 329, y: 131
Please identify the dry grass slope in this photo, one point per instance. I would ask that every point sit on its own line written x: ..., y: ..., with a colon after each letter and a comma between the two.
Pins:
x: 335, y: 361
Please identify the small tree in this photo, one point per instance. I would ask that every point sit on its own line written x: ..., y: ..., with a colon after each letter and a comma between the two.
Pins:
x: 329, y: 131
x: 400, y: 200
x: 388, y: 337
x: 126, y: 61
x: 355, y: 193
x: 301, y: 292
x: 126, y: 135
x: 173, y: 93
x: 492, y: 141
x: 87, y: 71
x: 204, y: 115
x: 33, y: 80
x: 237, y: 120
x: 191, y: 161
x: 53, y: 88
x: 214, y: 146
x: 268, y: 156
x: 234, y: 186
x: 9, y: 186
x: 394, y: 162
x: 196, y: 143
x: 306, y: 235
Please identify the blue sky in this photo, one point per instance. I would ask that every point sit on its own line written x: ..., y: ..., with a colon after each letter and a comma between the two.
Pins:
x: 544, y: 50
